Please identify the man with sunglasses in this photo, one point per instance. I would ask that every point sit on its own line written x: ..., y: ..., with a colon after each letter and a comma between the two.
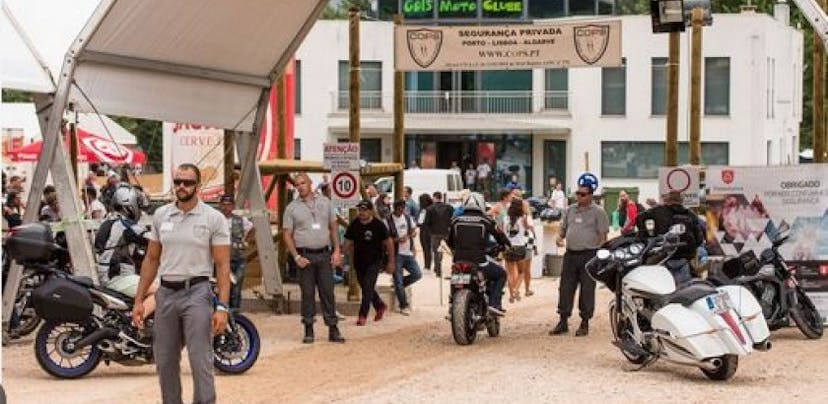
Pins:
x: 188, y: 239
x: 309, y: 225
x: 584, y: 226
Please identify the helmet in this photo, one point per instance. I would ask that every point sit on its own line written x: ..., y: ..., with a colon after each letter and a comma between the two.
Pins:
x: 588, y: 180
x: 474, y: 201
x: 127, y: 201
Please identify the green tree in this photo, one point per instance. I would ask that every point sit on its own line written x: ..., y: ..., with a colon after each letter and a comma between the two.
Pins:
x: 16, y: 96
x: 338, y: 9
x: 148, y: 134
x: 806, y: 127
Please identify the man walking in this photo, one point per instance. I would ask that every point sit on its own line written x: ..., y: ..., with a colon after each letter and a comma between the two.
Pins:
x: 188, y: 238
x: 585, y: 226
x: 240, y: 231
x: 367, y: 241
x: 403, y: 231
x: 483, y: 171
x: 438, y: 220
x: 309, y: 226
x: 412, y: 208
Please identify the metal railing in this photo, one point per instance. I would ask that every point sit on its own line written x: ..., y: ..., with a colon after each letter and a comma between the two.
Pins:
x: 462, y: 102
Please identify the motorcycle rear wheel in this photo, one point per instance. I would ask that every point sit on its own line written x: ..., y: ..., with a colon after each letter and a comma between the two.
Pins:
x: 727, y: 369
x: 806, y: 316
x: 52, y: 355
x: 462, y: 325
x: 493, y: 327
x: 618, y: 330
x: 237, y: 353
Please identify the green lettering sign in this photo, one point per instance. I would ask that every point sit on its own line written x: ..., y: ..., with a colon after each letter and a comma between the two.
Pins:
x: 458, y: 9
x: 502, y: 8
x: 418, y: 9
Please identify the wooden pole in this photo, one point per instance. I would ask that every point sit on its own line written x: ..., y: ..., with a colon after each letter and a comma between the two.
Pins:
x: 229, y: 162
x: 281, y: 152
x: 695, y: 86
x: 819, y: 135
x: 353, y: 124
x: 671, y: 144
x: 586, y: 161
x: 399, y: 125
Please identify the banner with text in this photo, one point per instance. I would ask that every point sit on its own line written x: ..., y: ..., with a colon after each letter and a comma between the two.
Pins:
x: 502, y: 47
x: 747, y: 207
x: 199, y: 145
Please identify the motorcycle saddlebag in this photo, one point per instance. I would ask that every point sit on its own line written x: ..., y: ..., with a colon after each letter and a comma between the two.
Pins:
x: 60, y: 299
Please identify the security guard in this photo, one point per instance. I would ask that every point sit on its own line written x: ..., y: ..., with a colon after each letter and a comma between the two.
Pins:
x: 187, y: 239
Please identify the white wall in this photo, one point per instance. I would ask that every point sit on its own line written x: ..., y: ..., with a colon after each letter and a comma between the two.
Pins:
x: 748, y: 39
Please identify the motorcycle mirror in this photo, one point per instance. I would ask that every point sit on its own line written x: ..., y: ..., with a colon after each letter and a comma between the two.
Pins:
x: 603, y: 254
x: 677, y: 228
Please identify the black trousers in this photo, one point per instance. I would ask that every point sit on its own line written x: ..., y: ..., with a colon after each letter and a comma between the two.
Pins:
x: 573, y: 275
x: 367, y: 278
x: 425, y: 246
x: 317, y: 276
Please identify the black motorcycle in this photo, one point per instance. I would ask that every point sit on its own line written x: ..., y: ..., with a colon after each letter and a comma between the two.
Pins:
x: 774, y: 285
x: 469, y: 304
x: 34, y: 248
x: 86, y: 323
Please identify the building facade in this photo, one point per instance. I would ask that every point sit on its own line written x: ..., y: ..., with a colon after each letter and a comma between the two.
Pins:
x: 533, y: 124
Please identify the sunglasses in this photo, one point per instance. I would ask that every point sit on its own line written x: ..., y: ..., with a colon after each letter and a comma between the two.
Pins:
x: 362, y: 208
x: 186, y: 183
x: 582, y: 193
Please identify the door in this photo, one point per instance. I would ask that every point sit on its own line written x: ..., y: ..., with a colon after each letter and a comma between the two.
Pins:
x: 554, y: 164
x: 448, y: 152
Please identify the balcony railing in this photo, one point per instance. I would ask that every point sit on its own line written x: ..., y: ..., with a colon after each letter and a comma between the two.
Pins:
x: 464, y: 102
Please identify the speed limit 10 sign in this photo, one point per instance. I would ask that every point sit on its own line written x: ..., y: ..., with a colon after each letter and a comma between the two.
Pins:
x: 345, y: 188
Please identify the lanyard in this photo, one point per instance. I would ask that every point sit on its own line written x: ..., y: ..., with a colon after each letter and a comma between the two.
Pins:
x: 312, y: 209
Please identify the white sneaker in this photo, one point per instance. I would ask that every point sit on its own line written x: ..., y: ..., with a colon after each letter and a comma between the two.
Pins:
x: 340, y: 316
x: 406, y: 311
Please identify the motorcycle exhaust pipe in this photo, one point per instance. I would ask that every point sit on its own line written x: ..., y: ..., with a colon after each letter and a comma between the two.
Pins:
x: 106, y: 346
x: 763, y: 346
x: 96, y: 336
x: 711, y: 364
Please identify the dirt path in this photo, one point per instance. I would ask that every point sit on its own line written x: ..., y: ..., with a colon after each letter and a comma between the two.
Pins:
x: 414, y: 359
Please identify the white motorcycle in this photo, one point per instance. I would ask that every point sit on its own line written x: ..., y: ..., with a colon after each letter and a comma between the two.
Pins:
x: 696, y: 325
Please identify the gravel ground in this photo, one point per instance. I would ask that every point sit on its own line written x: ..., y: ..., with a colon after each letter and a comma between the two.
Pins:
x: 414, y: 359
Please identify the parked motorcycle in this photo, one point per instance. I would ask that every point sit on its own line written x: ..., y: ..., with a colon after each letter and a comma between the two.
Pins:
x: 39, y: 253
x: 773, y: 282
x: 696, y: 325
x: 469, y: 304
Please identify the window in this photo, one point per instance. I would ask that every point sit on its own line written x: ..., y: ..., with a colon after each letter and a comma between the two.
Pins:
x: 557, y: 89
x: 297, y: 88
x: 614, y: 89
x: 642, y: 159
x: 717, y: 86
x: 297, y: 149
x: 581, y: 7
x: 370, y: 85
x: 658, y: 94
x: 370, y: 150
x: 770, y: 90
x: 507, y: 91
x: 606, y: 7
x: 546, y: 8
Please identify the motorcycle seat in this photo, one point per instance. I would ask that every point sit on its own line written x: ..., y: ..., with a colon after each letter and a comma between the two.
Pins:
x: 81, y: 280
x: 687, y: 295
x: 115, y: 293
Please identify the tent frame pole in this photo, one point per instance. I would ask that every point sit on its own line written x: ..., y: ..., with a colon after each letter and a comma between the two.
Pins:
x: 250, y: 189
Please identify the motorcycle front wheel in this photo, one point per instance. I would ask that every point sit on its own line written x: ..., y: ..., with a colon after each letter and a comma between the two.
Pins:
x: 806, y: 316
x: 54, y: 356
x: 726, y: 370
x: 623, y: 328
x: 236, y: 350
x: 462, y: 318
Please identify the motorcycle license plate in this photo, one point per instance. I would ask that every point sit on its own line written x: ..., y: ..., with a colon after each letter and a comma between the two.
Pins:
x: 718, y: 303
x: 460, y: 279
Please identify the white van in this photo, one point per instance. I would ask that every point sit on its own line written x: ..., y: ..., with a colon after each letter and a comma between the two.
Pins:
x: 429, y: 181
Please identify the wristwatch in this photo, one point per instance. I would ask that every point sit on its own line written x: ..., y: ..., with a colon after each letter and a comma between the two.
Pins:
x: 222, y: 307
x: 296, y: 258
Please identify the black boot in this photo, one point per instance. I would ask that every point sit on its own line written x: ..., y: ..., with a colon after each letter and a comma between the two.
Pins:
x: 308, y: 334
x: 334, y: 335
x: 561, y: 328
x: 583, y: 330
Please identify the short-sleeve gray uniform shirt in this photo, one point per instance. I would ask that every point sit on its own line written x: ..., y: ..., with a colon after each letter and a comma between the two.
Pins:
x: 186, y: 240
x: 583, y: 226
x: 309, y: 222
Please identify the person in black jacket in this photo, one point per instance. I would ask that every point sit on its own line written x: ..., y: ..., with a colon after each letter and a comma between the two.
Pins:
x: 669, y: 213
x: 437, y: 220
x: 469, y: 244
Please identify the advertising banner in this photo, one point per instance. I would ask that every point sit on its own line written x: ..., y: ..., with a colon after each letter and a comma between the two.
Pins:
x: 684, y: 179
x: 747, y: 207
x: 501, y: 47
x: 199, y: 145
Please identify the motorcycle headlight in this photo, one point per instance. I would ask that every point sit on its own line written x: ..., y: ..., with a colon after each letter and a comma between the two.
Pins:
x: 620, y: 254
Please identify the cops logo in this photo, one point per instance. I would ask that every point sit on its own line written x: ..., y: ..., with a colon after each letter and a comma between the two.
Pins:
x: 591, y: 41
x: 424, y: 45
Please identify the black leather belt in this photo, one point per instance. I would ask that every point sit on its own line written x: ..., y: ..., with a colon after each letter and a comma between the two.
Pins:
x: 313, y: 250
x: 184, y: 284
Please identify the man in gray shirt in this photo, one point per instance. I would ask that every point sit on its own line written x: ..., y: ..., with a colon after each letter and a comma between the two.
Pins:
x: 584, y: 226
x: 309, y: 226
x: 188, y: 238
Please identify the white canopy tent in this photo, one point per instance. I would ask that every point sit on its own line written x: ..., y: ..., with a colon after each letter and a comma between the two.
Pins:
x: 196, y: 61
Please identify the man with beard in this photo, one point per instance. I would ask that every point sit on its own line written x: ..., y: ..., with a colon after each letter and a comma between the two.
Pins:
x: 309, y: 226
x: 188, y: 239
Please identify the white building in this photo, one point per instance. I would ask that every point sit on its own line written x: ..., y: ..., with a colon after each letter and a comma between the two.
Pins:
x: 539, y: 122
